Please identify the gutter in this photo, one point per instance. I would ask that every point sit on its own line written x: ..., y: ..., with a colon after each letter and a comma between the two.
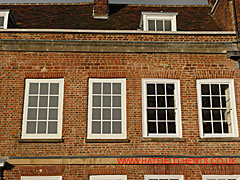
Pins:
x: 117, y: 31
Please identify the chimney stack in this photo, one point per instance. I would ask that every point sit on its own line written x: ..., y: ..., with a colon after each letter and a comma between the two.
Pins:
x: 100, y: 9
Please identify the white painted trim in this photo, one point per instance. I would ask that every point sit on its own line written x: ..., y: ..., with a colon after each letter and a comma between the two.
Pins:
x: 179, y: 177
x: 119, y: 31
x: 41, y: 178
x: 178, y: 105
x: 233, y: 106
x: 60, y: 110
x: 108, y: 177
x: 123, y: 100
x: 2, y: 164
x: 220, y: 177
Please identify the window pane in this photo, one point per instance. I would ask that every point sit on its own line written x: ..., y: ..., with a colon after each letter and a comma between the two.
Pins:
x: 217, y: 127
x: 215, y: 89
x: 226, y: 127
x: 170, y: 89
x: 171, y: 127
x: 53, y: 101
x: 106, y: 101
x: 43, y: 101
x: 106, y: 114
x: 53, y: 114
x: 106, y: 127
x: 151, y: 114
x: 168, y: 25
x: 151, y: 25
x: 159, y: 25
x: 33, y: 101
x: 96, y: 127
x: 116, y: 88
x: 207, y: 127
x: 161, y: 114
x: 43, y: 88
x: 116, y: 128
x: 205, y: 89
x: 216, y: 114
x: 206, y: 101
x: 52, y: 127
x: 161, y: 101
x: 160, y: 89
x: 116, y: 114
x: 31, y: 127
x: 96, y: 88
x: 116, y: 101
x: 33, y: 88
x: 42, y: 114
x: 106, y: 88
x: 1, y: 21
x: 151, y: 101
x: 170, y: 101
x: 215, y: 101
x: 162, y: 127
x: 150, y: 89
x: 206, y: 114
x: 32, y: 114
x: 96, y: 101
x: 152, y: 127
x: 224, y: 104
x: 170, y: 114
x: 42, y: 127
x: 224, y: 89
x: 54, y: 88
x: 96, y: 114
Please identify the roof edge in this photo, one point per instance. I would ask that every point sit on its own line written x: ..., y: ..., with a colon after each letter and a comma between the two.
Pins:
x: 118, y: 31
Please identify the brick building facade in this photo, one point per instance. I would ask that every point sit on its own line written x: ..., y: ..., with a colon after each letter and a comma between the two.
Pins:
x: 98, y: 90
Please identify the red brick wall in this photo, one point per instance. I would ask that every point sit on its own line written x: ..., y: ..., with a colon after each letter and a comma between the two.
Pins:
x: 223, y: 15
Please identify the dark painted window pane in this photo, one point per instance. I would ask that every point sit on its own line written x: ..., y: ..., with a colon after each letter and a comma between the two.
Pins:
x: 205, y: 89
x: 152, y: 127
x: 206, y: 101
x: 106, y: 114
x: 116, y: 88
x: 53, y: 101
x: 106, y: 88
x: 150, y: 89
x: 170, y: 101
x: 53, y: 114
x: 171, y: 127
x: 106, y: 127
x: 224, y: 102
x: 225, y: 127
x: 31, y: 127
x: 216, y: 114
x: 161, y: 101
x: 32, y: 114
x: 206, y: 114
x: 117, y: 115
x: 151, y: 101
x: 170, y: 89
x: 96, y: 88
x: 170, y: 114
x: 215, y: 101
x: 33, y: 89
x: 159, y: 25
x: 151, y: 114
x: 43, y: 101
x: 168, y: 26
x: 106, y: 101
x: 43, y: 88
x: 42, y: 127
x: 215, y: 89
x: 96, y: 127
x: 96, y: 114
x: 224, y: 89
x: 207, y: 127
x: 151, y: 25
x: 96, y: 101
x: 217, y: 127
x: 116, y: 128
x: 162, y: 127
x: 161, y: 114
x: 160, y: 89
x: 54, y: 88
x: 33, y: 101
x: 52, y: 127
x: 42, y: 114
x: 117, y: 101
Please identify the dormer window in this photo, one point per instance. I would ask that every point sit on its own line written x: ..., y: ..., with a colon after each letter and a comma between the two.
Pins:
x: 4, y: 19
x: 158, y: 21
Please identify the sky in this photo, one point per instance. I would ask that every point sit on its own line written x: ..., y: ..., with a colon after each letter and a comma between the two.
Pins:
x: 156, y: 2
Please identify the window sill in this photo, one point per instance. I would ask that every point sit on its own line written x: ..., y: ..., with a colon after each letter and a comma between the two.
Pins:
x: 40, y: 140
x: 107, y: 140
x: 163, y: 139
x: 225, y: 139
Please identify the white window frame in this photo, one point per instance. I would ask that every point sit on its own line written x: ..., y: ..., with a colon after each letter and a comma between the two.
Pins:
x: 108, y: 177
x: 4, y: 14
x: 179, y: 177
x: 41, y: 178
x: 60, y: 109
x: 178, y: 106
x: 159, y: 16
x: 220, y: 177
x: 123, y: 101
x: 233, y: 107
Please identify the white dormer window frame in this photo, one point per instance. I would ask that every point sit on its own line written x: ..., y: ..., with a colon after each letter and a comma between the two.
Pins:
x: 4, y: 14
x: 158, y: 16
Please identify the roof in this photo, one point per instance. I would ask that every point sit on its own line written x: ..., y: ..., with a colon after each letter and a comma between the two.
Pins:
x: 121, y: 17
